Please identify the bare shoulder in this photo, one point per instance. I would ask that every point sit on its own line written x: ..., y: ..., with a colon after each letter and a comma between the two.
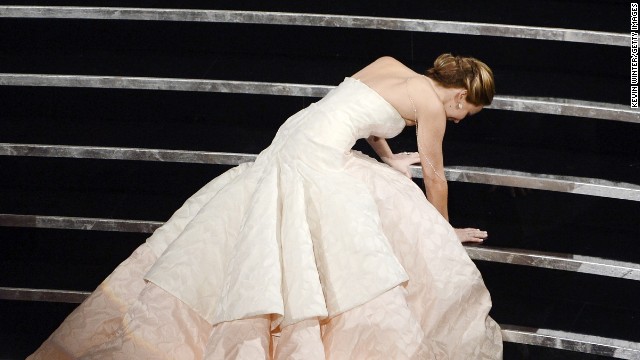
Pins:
x: 387, y: 60
x: 434, y: 117
x: 427, y: 95
x: 384, y: 66
x: 389, y: 64
x: 428, y: 103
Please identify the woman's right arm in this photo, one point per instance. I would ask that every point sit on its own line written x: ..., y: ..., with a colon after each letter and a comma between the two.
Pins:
x: 380, y: 146
x: 400, y: 162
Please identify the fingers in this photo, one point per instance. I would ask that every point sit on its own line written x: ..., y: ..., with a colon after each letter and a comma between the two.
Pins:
x: 475, y: 232
x: 414, y: 157
x: 480, y: 233
x: 401, y: 162
x: 471, y: 235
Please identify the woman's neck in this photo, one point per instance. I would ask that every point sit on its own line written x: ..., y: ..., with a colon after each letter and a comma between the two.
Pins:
x: 444, y: 94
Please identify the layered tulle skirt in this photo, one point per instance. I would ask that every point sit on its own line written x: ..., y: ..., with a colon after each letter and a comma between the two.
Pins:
x: 276, y: 262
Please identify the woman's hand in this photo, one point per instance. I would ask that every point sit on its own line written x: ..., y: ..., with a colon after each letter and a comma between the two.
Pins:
x: 471, y: 235
x: 402, y: 161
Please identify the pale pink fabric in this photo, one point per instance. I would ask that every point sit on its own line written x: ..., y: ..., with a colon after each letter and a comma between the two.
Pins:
x: 311, y: 252
x: 158, y: 326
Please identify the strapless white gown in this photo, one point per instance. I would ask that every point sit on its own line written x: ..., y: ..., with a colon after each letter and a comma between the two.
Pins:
x: 313, y: 251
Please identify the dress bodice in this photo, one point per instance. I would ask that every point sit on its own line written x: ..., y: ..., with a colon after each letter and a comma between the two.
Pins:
x: 349, y: 112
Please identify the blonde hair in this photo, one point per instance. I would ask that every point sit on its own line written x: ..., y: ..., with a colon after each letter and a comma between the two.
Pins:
x: 465, y: 73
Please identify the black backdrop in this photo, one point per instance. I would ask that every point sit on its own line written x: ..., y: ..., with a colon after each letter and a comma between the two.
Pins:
x: 539, y: 220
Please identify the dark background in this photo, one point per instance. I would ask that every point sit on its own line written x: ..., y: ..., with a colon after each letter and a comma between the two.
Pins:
x: 538, y: 220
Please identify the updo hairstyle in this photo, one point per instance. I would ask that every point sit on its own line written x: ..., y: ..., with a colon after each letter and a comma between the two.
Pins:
x: 464, y: 73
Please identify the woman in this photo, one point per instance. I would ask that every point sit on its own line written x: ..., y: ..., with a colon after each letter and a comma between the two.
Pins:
x: 443, y: 96
x: 313, y: 251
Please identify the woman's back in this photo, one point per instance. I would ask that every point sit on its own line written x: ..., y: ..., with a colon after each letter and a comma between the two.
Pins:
x: 349, y: 112
x: 388, y: 77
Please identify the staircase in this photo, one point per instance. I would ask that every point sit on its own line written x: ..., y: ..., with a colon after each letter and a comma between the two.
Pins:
x: 111, y: 115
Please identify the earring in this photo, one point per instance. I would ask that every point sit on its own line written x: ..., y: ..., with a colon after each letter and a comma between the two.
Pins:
x: 459, y: 106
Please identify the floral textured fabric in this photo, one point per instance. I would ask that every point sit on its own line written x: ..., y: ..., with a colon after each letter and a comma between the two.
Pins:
x: 313, y: 251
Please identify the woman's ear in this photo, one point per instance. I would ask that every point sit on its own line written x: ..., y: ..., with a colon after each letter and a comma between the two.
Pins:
x: 461, y: 95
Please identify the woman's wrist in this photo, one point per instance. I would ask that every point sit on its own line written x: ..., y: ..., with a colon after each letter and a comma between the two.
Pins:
x: 388, y: 159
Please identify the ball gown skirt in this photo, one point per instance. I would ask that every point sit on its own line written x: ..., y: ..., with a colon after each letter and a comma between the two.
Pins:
x: 313, y: 251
